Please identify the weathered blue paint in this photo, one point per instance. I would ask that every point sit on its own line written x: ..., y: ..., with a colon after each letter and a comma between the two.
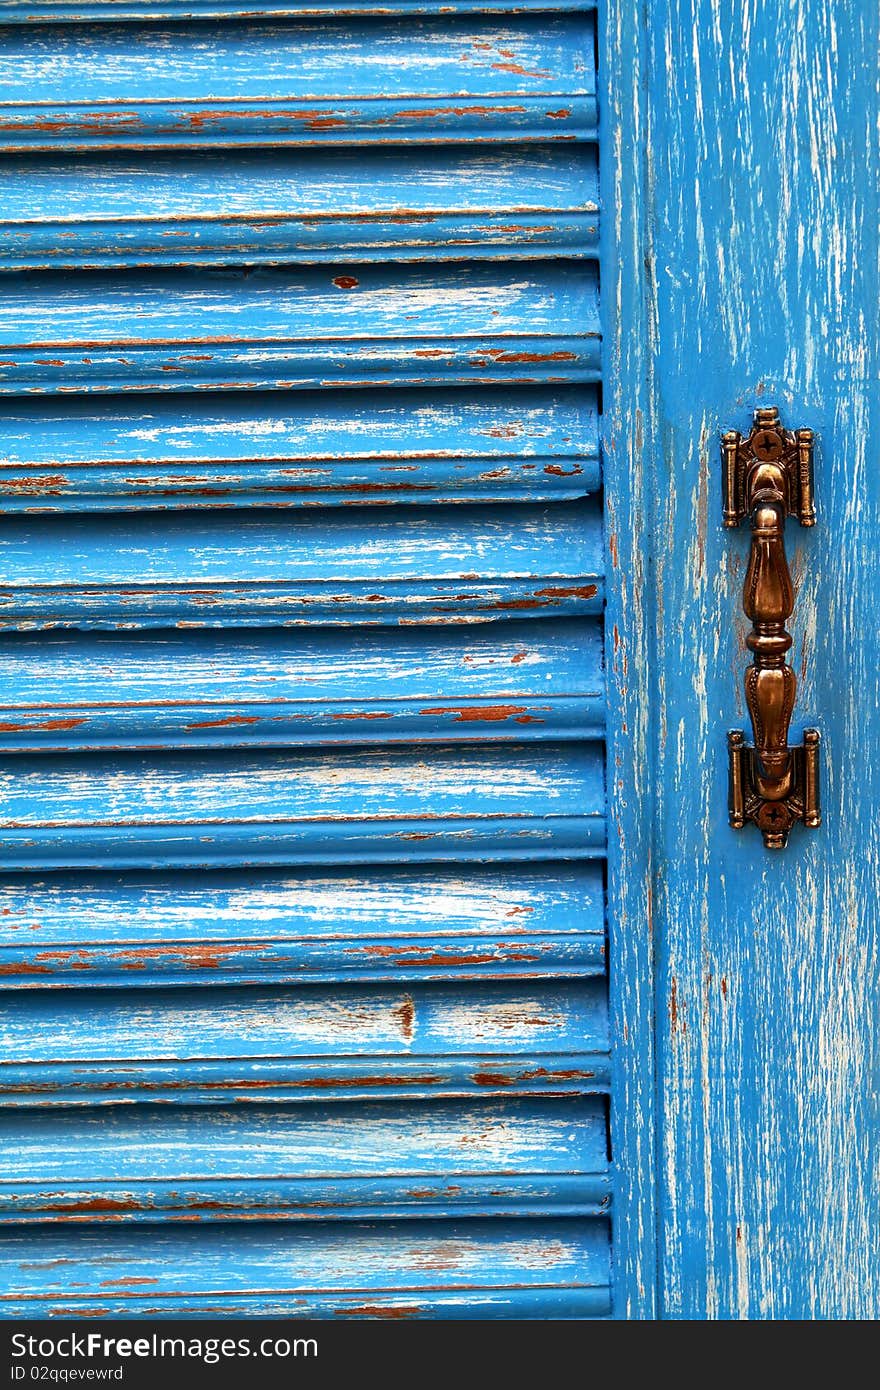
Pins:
x: 508, y: 202
x: 315, y: 1042
x: 369, y: 1161
x: 386, y: 82
x: 769, y: 964
x: 262, y: 687
x: 56, y: 11
x: 628, y: 450
x: 461, y: 922
x: 429, y: 1269
x: 740, y: 266
x: 358, y: 326
x: 323, y: 449
x: 482, y: 802
x: 233, y: 569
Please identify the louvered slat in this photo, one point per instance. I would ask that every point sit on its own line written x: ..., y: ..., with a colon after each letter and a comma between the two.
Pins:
x: 197, y: 209
x: 33, y: 11
x: 314, y: 1042
x: 358, y: 1161
x: 360, y: 326
x: 336, y: 81
x: 200, y: 570
x: 493, y: 1159
x: 494, y: 802
x: 315, y: 449
x: 250, y: 926
x: 421, y: 1270
x: 521, y: 682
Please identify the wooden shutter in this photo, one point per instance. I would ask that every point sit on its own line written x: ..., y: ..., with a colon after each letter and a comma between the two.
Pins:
x: 302, y: 813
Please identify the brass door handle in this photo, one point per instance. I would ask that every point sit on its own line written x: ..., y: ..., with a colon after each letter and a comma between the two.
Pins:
x: 767, y: 477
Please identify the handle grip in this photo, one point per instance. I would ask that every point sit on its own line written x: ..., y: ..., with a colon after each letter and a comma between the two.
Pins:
x: 767, y: 477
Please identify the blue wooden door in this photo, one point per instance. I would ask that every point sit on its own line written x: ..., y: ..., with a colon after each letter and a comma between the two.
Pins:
x: 361, y: 541
x: 302, y: 766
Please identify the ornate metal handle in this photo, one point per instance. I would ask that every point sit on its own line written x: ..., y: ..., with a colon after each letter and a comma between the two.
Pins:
x: 769, y: 476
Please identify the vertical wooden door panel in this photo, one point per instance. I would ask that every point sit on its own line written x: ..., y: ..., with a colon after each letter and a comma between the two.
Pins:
x: 759, y: 271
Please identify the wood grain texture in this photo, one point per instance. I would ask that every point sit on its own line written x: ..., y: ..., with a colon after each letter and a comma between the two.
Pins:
x: 385, y: 81
x: 765, y: 169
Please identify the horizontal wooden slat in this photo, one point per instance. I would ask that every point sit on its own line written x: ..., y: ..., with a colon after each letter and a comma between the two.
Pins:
x: 267, y: 207
x: 249, y: 926
x: 319, y: 449
x: 328, y: 568
x: 36, y: 11
x: 363, y: 325
x: 385, y: 81
x: 504, y: 801
x: 512, y: 681
x: 373, y: 1161
x: 535, y: 1269
x: 88, y: 1047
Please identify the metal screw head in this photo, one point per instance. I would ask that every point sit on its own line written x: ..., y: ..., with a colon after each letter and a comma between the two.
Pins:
x: 767, y: 445
x: 774, y: 821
